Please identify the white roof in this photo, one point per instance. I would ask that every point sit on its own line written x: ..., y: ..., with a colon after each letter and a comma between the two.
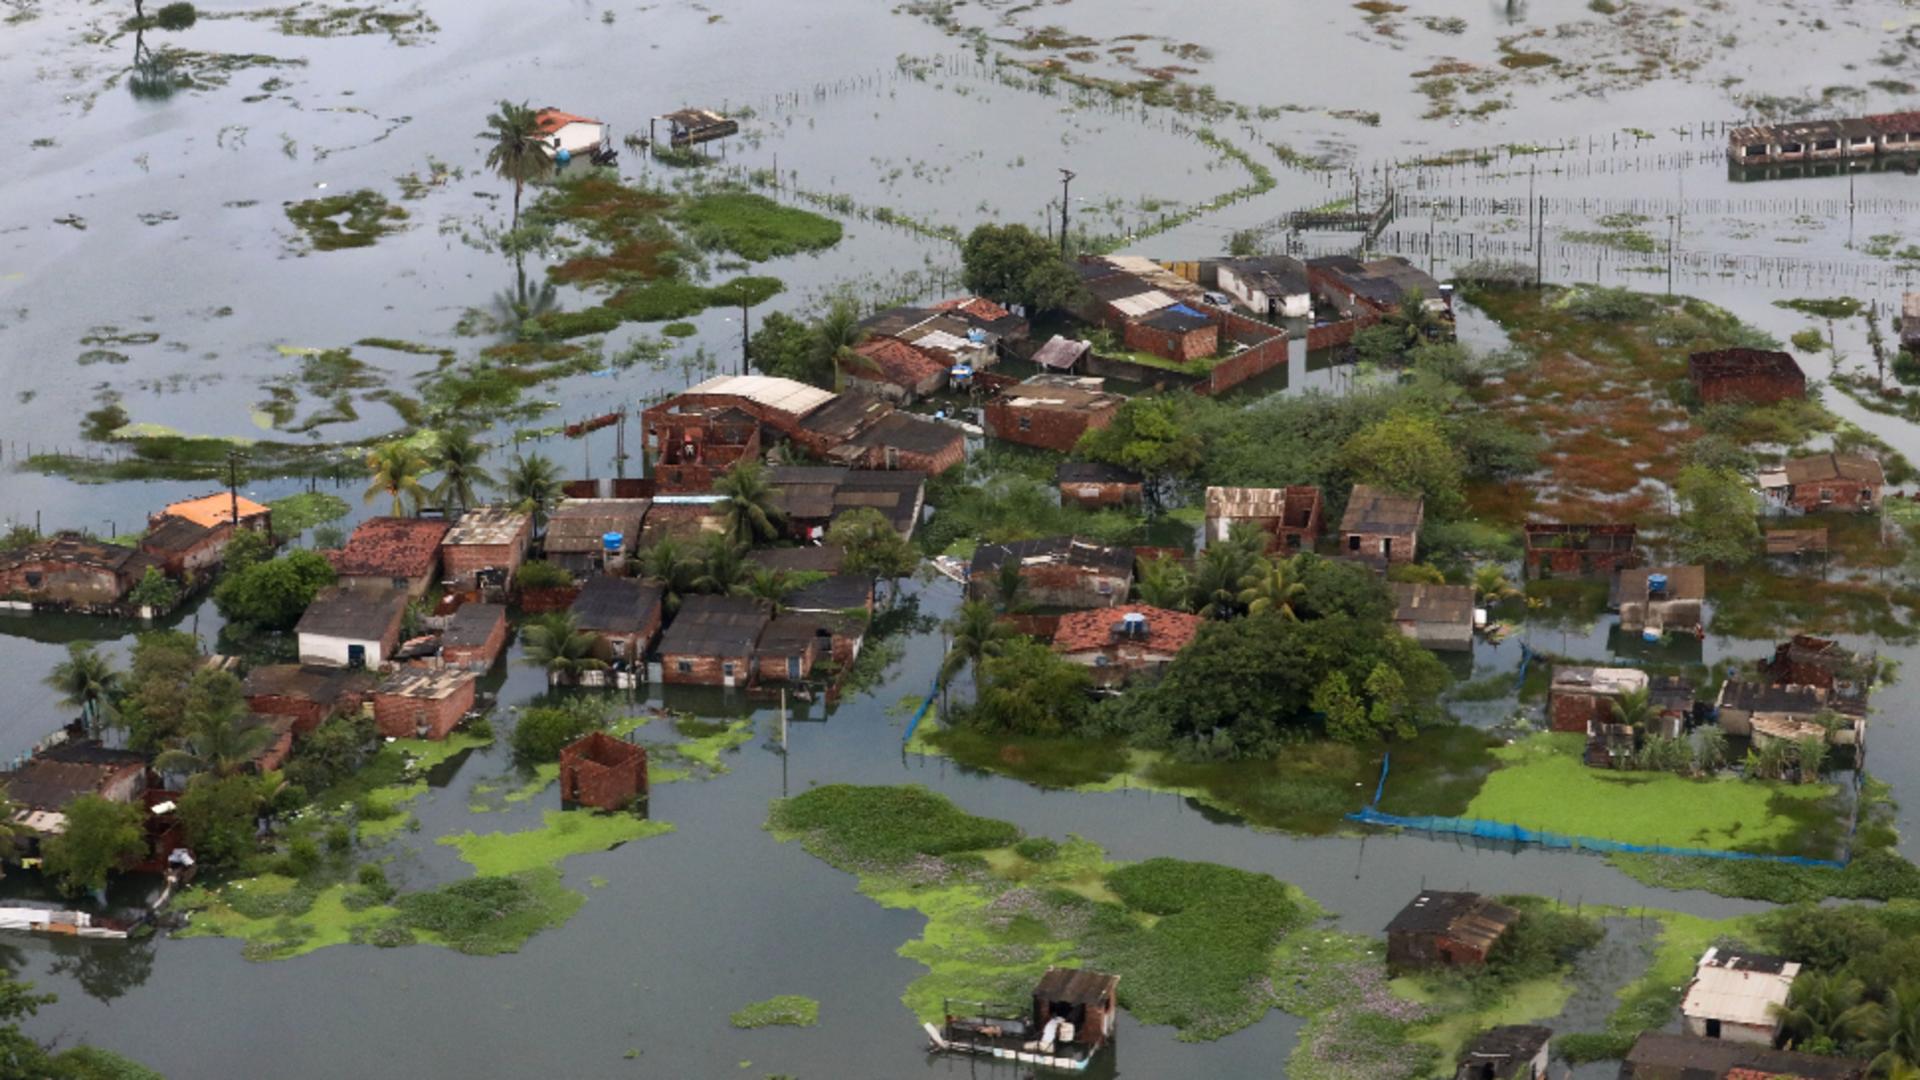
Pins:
x: 953, y: 343
x: 1601, y: 680
x: 1723, y: 991
x: 1144, y: 303
x: 787, y: 395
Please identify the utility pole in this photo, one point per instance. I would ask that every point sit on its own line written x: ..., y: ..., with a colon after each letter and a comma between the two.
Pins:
x: 1066, y: 178
x: 233, y: 489
x: 743, y: 339
x: 1539, y: 243
x: 620, y: 445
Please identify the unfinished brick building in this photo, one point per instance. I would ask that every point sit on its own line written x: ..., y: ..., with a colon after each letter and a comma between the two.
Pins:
x: 416, y: 704
x: 1556, y: 549
x: 488, y: 542
x: 1290, y: 516
x: 603, y: 772
x: 1051, y: 411
x: 1752, y: 376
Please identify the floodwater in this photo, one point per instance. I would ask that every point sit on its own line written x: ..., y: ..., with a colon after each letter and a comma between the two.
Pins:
x: 132, y: 218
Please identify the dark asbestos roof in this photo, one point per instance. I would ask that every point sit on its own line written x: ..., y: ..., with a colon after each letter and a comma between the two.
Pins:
x: 841, y: 592
x: 789, y: 634
x: 715, y: 626
x: 1091, y: 472
x: 905, y: 431
x: 473, y: 624
x: 174, y: 535
x: 614, y: 605
x: 1504, y: 1049
x: 819, y: 558
x: 1757, y: 697
x: 1452, y: 912
x: 1370, y: 510
x: 578, y: 524
x: 845, y: 415
x: 1054, y: 549
x: 353, y: 613
x: 322, y: 685
x: 1717, y: 1057
x: 1275, y: 275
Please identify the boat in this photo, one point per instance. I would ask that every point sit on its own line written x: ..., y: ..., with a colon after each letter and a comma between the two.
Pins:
x: 1070, y: 1021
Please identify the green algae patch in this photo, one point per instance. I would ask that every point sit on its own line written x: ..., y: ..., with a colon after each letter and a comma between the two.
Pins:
x: 705, y: 741
x: 296, y: 514
x: 754, y: 227
x: 1358, y: 1027
x: 785, y: 1010
x: 353, y: 220
x: 565, y: 833
x: 1543, y: 784
x: 331, y: 21
x: 278, y: 918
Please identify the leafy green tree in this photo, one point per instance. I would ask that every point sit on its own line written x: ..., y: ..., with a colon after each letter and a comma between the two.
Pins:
x: 1337, y: 587
x: 555, y: 642
x: 86, y: 681
x: 1820, y: 1011
x: 274, y: 594
x: 872, y: 545
x: 221, y: 738
x: 975, y: 634
x: 153, y: 709
x: 395, y: 470
x: 249, y: 547
x: 514, y: 153
x: 1011, y: 264
x: 1340, y: 709
x: 457, y: 459
x: 1719, y: 517
x: 1026, y: 689
x: 750, y: 506
x: 1810, y: 753
x: 99, y: 838
x: 1271, y: 587
x: 156, y: 591
x: 723, y: 567
x: 219, y: 814
x: 1153, y: 435
x: 543, y: 731
x: 668, y: 565
x: 533, y: 483
x: 1164, y: 583
x: 1408, y: 452
x: 1387, y: 710
x: 1712, y: 754
x: 787, y: 348
x: 332, y: 752
x: 1491, y: 586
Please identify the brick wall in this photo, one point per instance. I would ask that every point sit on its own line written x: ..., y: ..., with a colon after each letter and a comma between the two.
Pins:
x: 1048, y: 429
x: 770, y: 667
x: 1339, y: 333
x: 1573, y: 711
x: 1837, y: 495
x: 542, y: 601
x: 1756, y: 389
x: 402, y: 717
x: 602, y: 772
x: 1576, y: 563
x: 460, y: 562
x: 1256, y: 361
x: 704, y: 670
x: 64, y: 583
x: 478, y: 657
x: 306, y: 715
x: 1095, y: 496
x: 1183, y: 347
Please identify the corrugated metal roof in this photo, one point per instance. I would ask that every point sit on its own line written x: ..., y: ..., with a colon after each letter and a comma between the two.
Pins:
x: 787, y: 395
x: 1143, y: 303
x: 1723, y: 989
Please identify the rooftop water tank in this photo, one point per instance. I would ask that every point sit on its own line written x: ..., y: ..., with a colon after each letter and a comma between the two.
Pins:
x: 1656, y: 584
x: 612, y: 542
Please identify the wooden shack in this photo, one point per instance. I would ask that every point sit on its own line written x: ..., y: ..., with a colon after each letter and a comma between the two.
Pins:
x: 1446, y: 929
x: 1512, y: 1052
x: 691, y: 127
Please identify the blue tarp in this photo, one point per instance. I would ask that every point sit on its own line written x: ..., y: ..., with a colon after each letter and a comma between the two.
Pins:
x: 1185, y: 310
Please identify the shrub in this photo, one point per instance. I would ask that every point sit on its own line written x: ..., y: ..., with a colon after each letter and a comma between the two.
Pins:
x: 176, y: 16
x: 303, y: 857
x: 1584, y: 1046
x: 540, y: 574
x: 543, y: 730
x: 849, y: 826
x: 1037, y: 849
x: 339, y: 838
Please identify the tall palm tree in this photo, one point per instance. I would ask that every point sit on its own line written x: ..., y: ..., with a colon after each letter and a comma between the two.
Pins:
x: 514, y: 152
x: 1890, y: 1029
x: 222, y: 741
x: 458, y: 460
x: 1165, y: 583
x: 723, y: 567
x: 533, y: 483
x: 751, y: 507
x: 556, y: 643
x: 837, y: 332
x: 977, y: 633
x: 1821, y: 1006
x: 1490, y: 584
x: 87, y: 681
x: 395, y: 471
x: 668, y: 565
x: 1217, y: 577
x: 771, y: 586
x: 1272, y: 587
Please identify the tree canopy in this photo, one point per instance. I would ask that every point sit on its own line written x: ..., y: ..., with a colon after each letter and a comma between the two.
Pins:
x: 274, y: 594
x: 1012, y: 264
x: 1719, y: 517
x: 1408, y: 452
x: 100, y: 837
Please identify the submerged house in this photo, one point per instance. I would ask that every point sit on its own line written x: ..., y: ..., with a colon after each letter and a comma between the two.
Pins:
x: 1271, y: 286
x: 1439, y: 617
x: 1446, y: 929
x: 1750, y: 376
x: 1059, y: 571
x: 486, y: 546
x: 889, y: 368
x: 812, y: 496
x: 1513, y: 1052
x: 1816, y: 140
x: 584, y: 535
x: 1071, y: 1018
x: 1581, y: 699
x: 1380, y: 526
x: 1660, y: 599
x: 1556, y: 549
x: 564, y: 135
x: 1819, y: 662
x: 308, y: 694
x: 72, y: 571
x: 1353, y: 288
x: 1290, y: 516
x: 851, y: 429
x: 45, y: 783
x: 1766, y: 713
x: 691, y: 127
x: 184, y: 549
x: 1830, y: 481
x: 701, y: 442
x: 222, y: 508
x: 475, y: 636
x: 1124, y: 642
x: 1659, y: 1056
x: 622, y: 613
x: 1051, y: 411
x: 416, y: 704
x: 1737, y: 997
x: 1096, y: 486
x: 391, y: 553
x: 351, y: 627
x: 711, y: 641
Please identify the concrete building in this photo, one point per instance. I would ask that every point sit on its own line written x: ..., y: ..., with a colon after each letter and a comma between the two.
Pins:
x: 578, y: 532
x: 487, y: 545
x: 1512, y: 1052
x: 1819, y: 140
x: 351, y: 627
x: 391, y: 553
x: 1737, y: 997
x: 416, y: 704
x: 1580, y: 699
x: 1051, y: 411
x: 812, y: 496
x: 1271, y: 286
x: 1380, y: 526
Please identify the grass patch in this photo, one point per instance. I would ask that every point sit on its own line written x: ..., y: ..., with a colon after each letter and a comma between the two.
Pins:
x: 353, y: 220
x: 566, y: 833
x: 1043, y: 762
x: 1838, y: 307
x: 785, y: 1010
x: 486, y: 916
x: 867, y: 828
x: 1874, y: 875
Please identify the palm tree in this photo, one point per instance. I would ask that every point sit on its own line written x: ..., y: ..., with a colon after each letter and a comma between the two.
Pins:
x: 222, y: 741
x: 723, y: 567
x: 1164, y: 583
x: 667, y: 565
x: 1490, y: 584
x: 1217, y: 577
x: 534, y: 485
x: 1007, y: 584
x: 977, y: 634
x: 514, y: 152
x: 751, y: 506
x: 458, y: 460
x: 771, y: 586
x: 396, y: 470
x: 836, y: 332
x: 1271, y: 587
x: 86, y: 680
x: 1820, y: 1007
x: 554, y: 642
x: 1634, y: 709
x: 1890, y: 1029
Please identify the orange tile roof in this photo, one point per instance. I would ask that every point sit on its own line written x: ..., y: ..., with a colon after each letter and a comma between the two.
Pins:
x: 978, y: 307
x: 1167, y: 631
x: 896, y: 361
x: 552, y: 120
x: 217, y: 509
x: 390, y: 547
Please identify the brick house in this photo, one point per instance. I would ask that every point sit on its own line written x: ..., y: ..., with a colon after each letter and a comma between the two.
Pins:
x: 1001, y: 327
x: 700, y: 442
x: 1580, y: 699
x: 603, y: 772
x: 1098, y: 487
x: 1380, y: 526
x: 1356, y: 289
x: 1446, y: 929
x: 1272, y: 286
x: 391, y: 552
x: 812, y: 496
x: 1121, y: 643
x: 475, y: 637
x: 1051, y: 411
x: 894, y: 370
x: 423, y: 704
x: 351, y: 627
x: 1290, y: 516
x: 788, y: 648
x: 851, y: 429
x: 307, y: 694
x: 625, y: 614
x: 73, y: 571
x: 1439, y: 617
x: 841, y: 607
x: 183, y: 549
x: 46, y: 782
x: 578, y: 528
x: 1660, y: 599
x: 1561, y: 550
x: 489, y: 540
x: 711, y: 641
x: 1176, y: 332
x: 1829, y: 481
x: 1810, y: 661
x: 1059, y: 571
x: 1752, y: 376
x: 1659, y: 1056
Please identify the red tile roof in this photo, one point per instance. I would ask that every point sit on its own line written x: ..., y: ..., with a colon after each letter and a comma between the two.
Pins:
x: 895, y: 361
x: 975, y: 306
x: 1083, y: 631
x: 552, y: 120
x: 390, y: 547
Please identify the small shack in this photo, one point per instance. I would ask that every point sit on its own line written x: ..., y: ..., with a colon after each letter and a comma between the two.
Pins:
x: 1058, y: 571
x: 1271, y: 286
x: 1764, y: 713
x: 1830, y: 481
x: 1446, y: 929
x: 73, y: 571
x: 391, y: 553
x: 1556, y: 549
x: 1096, y: 486
x: 415, y: 704
x: 1061, y: 353
x: 1513, y: 1052
x: 486, y: 546
x: 351, y: 627
x: 475, y: 636
x: 1660, y: 599
x: 1580, y: 699
x: 1290, y: 516
x: 1439, y: 617
x: 711, y: 641
x: 1749, y: 376
x: 1051, y: 412
x: 691, y: 127
x: 1659, y: 1056
x: 603, y: 772
x: 623, y: 613
x: 1737, y: 997
x: 1071, y: 1017
x: 1381, y: 526
x: 1122, y: 643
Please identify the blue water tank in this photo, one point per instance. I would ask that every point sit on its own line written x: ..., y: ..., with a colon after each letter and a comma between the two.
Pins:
x: 977, y: 336
x: 1656, y: 583
x: 612, y: 542
x: 563, y: 156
